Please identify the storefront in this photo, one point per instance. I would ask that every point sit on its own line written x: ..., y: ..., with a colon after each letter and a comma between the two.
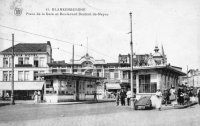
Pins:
x: 151, y: 78
x: 60, y: 87
x: 22, y: 90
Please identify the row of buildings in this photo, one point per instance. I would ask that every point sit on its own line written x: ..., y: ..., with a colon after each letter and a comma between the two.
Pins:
x: 34, y: 69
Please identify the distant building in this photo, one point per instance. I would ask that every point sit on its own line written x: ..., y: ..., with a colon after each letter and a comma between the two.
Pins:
x: 29, y: 60
x: 118, y: 74
x: 192, y: 79
x: 89, y: 66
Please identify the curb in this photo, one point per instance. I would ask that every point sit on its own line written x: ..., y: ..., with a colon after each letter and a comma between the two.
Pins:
x: 180, y: 106
x: 185, y: 106
x: 80, y: 102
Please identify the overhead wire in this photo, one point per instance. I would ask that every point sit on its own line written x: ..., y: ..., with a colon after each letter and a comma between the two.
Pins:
x: 55, y: 40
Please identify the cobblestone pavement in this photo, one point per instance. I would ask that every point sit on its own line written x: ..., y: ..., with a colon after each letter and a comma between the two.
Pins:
x: 97, y: 114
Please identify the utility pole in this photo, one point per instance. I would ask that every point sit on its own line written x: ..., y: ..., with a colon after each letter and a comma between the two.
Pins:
x: 12, y: 85
x: 73, y: 59
x: 131, y: 45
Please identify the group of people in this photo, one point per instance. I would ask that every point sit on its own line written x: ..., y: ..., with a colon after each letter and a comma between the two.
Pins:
x: 182, y: 97
x: 37, y: 97
x: 121, y: 95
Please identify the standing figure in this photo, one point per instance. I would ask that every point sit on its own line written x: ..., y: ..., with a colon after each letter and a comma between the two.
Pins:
x: 95, y: 96
x: 35, y: 97
x: 198, y: 95
x: 39, y: 97
x: 166, y: 96
x: 7, y: 95
x: 159, y: 99
x: 117, y: 97
x: 122, y: 97
x: 128, y: 94
x: 179, y: 95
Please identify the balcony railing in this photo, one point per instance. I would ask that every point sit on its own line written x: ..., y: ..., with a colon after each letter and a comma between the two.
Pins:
x: 23, y: 65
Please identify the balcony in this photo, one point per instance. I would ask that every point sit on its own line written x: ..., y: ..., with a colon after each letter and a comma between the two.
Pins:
x: 23, y: 65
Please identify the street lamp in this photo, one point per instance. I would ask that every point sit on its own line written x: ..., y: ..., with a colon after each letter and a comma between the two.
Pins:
x: 131, y: 45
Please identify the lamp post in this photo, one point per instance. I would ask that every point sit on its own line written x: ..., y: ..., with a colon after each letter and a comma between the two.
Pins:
x: 131, y: 45
x: 12, y: 85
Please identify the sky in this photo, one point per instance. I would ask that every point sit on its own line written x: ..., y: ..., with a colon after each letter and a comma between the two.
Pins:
x: 101, y: 27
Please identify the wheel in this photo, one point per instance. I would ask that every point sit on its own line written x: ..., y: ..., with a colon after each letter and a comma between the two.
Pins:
x: 136, y: 107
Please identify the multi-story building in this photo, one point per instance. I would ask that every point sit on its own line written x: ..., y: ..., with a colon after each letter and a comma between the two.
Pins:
x: 117, y: 74
x: 87, y: 65
x: 192, y: 79
x: 29, y: 60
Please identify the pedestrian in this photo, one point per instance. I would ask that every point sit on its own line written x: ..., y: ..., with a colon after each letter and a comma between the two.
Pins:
x: 35, y: 97
x: 117, y: 97
x: 95, y: 96
x: 166, y: 96
x: 198, y: 95
x: 158, y: 99
x: 39, y: 97
x: 179, y: 95
x: 128, y: 94
x: 7, y: 95
x: 122, y: 97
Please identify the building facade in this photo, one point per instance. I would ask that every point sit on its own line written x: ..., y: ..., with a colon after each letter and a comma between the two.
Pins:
x: 60, y: 87
x: 29, y: 60
x: 192, y: 79
x: 117, y: 75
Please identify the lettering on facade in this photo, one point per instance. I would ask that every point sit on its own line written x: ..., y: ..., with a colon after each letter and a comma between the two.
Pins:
x: 19, y: 55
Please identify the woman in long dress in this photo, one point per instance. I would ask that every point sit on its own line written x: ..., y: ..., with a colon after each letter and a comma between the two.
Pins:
x: 158, y: 99
x: 35, y: 97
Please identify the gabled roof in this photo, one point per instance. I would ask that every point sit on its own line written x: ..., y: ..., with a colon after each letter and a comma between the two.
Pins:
x: 27, y: 47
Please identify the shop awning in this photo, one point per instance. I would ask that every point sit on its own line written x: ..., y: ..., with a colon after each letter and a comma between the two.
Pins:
x: 113, y: 86
x: 22, y: 85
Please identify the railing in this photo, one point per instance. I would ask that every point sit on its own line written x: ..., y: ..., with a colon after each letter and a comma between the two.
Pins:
x: 23, y: 65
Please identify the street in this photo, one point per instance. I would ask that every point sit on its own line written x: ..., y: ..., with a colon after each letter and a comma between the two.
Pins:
x: 96, y: 114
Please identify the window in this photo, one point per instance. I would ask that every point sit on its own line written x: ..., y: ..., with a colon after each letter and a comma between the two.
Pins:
x: 49, y: 84
x: 20, y: 75
x: 145, y: 86
x: 5, y: 62
x: 35, y: 61
x: 20, y: 60
x: 10, y: 62
x: 112, y: 75
x: 116, y: 75
x: 26, y: 75
x: 26, y: 60
x: 54, y: 70
x: 10, y: 75
x: 41, y: 62
x: 5, y: 75
x: 35, y: 75
x: 63, y: 70
x: 42, y: 71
